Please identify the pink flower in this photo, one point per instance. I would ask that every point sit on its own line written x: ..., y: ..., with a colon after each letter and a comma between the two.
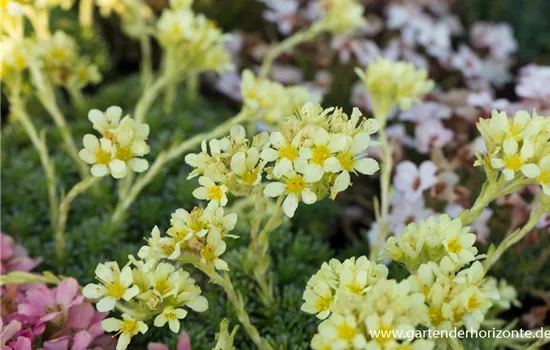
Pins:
x: 467, y: 62
x: 485, y: 101
x: 404, y: 212
x: 498, y: 38
x: 431, y: 134
x: 14, y: 337
x: 80, y: 341
x: 364, y: 51
x: 229, y: 85
x: 184, y: 343
x: 14, y: 257
x: 534, y: 83
x: 49, y: 304
x: 85, y: 317
x: 426, y: 111
x: 283, y: 13
x: 412, y: 181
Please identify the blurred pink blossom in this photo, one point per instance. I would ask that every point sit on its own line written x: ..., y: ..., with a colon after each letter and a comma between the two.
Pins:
x: 431, y: 134
x: 497, y: 37
x: 412, y: 181
x: 282, y: 13
x: 14, y: 257
x: 534, y: 83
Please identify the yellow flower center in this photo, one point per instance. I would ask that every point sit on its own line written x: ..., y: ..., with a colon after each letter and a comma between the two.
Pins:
x: 59, y: 53
x: 347, y: 161
x: 384, y: 334
x: 163, y: 286
x: 323, y: 302
x: 435, y: 315
x: 295, y: 184
x: 124, y: 154
x: 544, y: 177
x: 215, y: 192
x: 208, y: 253
x: 250, y: 177
x: 515, y: 129
x: 454, y: 246
x: 354, y: 288
x: 473, y: 303
x: 288, y: 152
x: 115, y: 289
x: 129, y: 327
x: 170, y: 315
x: 320, y: 154
x: 346, y: 332
x: 458, y: 314
x: 513, y: 162
x: 102, y: 157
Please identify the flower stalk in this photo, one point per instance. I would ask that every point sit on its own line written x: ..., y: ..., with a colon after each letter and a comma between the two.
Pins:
x: 290, y: 42
x: 234, y: 297
x: 63, y: 211
x: 494, y: 255
x: 18, y: 110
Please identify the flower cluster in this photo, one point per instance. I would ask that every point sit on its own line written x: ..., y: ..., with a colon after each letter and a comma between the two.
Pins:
x: 150, y: 290
x: 309, y: 158
x: 519, y: 148
x: 200, y: 232
x: 61, y: 62
x: 122, y: 143
x: 356, y: 300
x: 454, y: 298
x: 394, y: 83
x: 272, y: 101
x: 60, y: 317
x: 431, y: 241
x: 192, y: 39
x: 338, y: 284
x: 342, y: 16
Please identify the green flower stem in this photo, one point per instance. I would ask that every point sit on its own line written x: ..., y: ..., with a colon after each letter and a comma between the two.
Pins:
x: 64, y: 208
x: 455, y: 344
x: 516, y: 236
x: 19, y: 112
x: 167, y: 156
x: 290, y: 42
x: 385, y: 189
x: 146, y: 61
x: 490, y: 191
x: 234, y: 297
x: 150, y: 95
x: 77, y: 98
x: 46, y: 95
x: 257, y: 252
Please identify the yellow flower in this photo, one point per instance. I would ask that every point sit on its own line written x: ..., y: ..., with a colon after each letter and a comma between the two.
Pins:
x: 342, y: 16
x: 115, y: 285
x: 394, y: 83
x: 172, y: 316
x: 512, y: 162
x: 126, y: 328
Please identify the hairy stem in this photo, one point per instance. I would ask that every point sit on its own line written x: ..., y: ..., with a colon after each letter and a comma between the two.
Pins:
x: 385, y: 180
x: 64, y: 208
x: 257, y: 252
x: 517, y: 235
x: 290, y: 42
x: 18, y: 110
x: 167, y: 156
x: 149, y: 96
x: 234, y: 297
x: 146, y: 61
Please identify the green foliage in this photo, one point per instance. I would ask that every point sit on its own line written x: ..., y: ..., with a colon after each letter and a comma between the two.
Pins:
x: 296, y: 252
